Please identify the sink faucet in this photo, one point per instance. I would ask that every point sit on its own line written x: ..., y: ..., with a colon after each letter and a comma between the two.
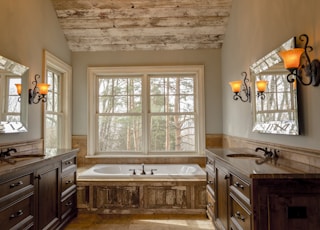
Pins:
x: 142, y: 171
x: 5, y: 155
x: 269, y: 154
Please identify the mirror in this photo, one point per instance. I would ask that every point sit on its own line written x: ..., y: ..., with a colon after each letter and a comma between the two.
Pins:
x: 278, y: 112
x: 14, y: 107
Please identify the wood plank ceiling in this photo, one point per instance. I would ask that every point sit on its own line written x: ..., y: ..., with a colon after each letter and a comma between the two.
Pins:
x: 113, y: 25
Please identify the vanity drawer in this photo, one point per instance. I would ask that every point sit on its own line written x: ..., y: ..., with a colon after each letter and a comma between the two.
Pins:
x: 240, y: 216
x: 68, y: 163
x: 68, y: 205
x: 15, y: 184
x: 68, y: 181
x: 19, y: 213
x: 240, y: 186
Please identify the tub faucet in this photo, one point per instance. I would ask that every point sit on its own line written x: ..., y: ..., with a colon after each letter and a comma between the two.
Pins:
x: 142, y: 171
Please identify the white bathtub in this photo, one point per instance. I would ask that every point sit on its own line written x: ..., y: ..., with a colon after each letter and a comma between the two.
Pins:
x: 161, y: 172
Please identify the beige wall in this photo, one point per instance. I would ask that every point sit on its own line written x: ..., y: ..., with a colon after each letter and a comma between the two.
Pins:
x: 208, y: 57
x: 255, y: 28
x: 27, y: 27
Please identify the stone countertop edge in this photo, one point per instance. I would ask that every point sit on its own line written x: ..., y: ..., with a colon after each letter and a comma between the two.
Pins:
x: 280, y: 169
x: 21, y: 162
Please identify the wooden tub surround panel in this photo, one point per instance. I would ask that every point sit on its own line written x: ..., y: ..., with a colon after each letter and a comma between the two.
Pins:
x: 142, y: 197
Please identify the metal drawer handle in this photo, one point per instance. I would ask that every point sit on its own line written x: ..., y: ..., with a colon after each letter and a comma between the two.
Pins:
x: 210, y: 182
x: 209, y: 204
x: 17, y: 214
x: 69, y: 182
x: 16, y: 184
x: 237, y: 184
x: 69, y: 203
x: 210, y: 162
x: 68, y: 163
x: 239, y: 216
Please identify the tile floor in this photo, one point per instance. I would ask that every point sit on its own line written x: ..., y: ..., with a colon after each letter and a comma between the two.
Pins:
x: 139, y: 222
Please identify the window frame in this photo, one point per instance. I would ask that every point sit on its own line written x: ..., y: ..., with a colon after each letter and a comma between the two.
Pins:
x: 53, y: 63
x: 94, y: 72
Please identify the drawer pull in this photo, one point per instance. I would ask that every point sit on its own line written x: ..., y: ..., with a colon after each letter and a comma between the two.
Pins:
x: 16, y: 184
x: 17, y: 214
x: 38, y: 177
x: 68, y: 162
x: 237, y: 184
x: 210, y: 182
x: 69, y: 182
x: 226, y: 177
x: 69, y: 203
x: 209, y: 204
x: 239, y: 216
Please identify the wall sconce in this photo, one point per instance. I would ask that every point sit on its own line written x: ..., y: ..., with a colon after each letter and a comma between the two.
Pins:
x: 40, y: 90
x: 261, y: 88
x: 237, y: 86
x: 291, y: 59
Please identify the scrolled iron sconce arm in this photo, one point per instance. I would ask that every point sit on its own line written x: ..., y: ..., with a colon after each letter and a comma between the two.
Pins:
x: 311, y: 68
x: 245, y: 87
x: 261, y: 95
x: 36, y: 95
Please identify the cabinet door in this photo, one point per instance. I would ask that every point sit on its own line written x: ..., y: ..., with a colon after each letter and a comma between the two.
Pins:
x: 48, y: 196
x: 222, y: 197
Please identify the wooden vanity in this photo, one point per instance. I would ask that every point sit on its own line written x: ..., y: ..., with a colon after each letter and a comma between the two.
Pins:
x: 39, y: 192
x: 242, y: 194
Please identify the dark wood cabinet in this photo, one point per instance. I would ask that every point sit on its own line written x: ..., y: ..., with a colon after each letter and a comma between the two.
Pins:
x: 48, y: 196
x: 222, y: 182
x: 273, y: 199
x: 39, y: 194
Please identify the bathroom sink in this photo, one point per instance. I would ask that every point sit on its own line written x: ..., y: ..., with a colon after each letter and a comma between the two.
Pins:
x: 244, y: 155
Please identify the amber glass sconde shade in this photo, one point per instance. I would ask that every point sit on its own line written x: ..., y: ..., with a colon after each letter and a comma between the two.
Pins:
x: 19, y: 87
x: 235, y: 86
x: 291, y: 58
x: 261, y: 86
x: 43, y: 88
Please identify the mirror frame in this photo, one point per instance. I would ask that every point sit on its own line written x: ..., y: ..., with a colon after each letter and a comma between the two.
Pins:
x: 272, y: 63
x: 12, y: 67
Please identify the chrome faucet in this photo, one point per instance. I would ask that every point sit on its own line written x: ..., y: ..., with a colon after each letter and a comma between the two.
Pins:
x: 142, y: 171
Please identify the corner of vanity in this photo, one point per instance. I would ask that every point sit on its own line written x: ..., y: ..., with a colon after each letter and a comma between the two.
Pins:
x: 246, y: 192
x: 39, y: 192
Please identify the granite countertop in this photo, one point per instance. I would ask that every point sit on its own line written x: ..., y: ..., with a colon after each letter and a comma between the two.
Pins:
x: 248, y: 166
x: 30, y: 159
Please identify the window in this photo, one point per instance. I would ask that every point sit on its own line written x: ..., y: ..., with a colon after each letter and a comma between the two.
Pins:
x: 57, y: 120
x: 11, y: 106
x: 146, y: 110
x: 54, y: 113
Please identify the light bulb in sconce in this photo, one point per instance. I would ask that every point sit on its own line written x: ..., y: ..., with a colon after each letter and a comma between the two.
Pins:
x: 261, y: 88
